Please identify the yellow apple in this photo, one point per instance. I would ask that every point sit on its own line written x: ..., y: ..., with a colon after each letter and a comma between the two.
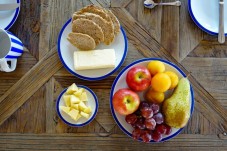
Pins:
x: 84, y: 115
x: 79, y: 92
x: 87, y: 110
x: 71, y: 89
x: 83, y: 96
x: 73, y: 114
x: 74, y: 99
x: 67, y: 100
x: 65, y: 109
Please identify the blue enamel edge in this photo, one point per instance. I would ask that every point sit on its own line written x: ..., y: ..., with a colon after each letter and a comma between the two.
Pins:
x: 147, y: 5
x: 14, y: 18
x: 89, y: 78
x: 197, y: 23
x: 116, y: 80
x: 83, y: 124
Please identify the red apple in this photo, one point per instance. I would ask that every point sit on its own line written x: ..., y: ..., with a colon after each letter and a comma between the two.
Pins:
x: 138, y: 78
x: 125, y: 101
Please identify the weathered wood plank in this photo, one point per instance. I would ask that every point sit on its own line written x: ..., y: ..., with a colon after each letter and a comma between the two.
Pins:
x: 29, y: 117
x: 150, y: 19
x: 170, y: 30
x: 103, y: 84
x: 102, y: 3
x: 190, y: 34
x: 120, y: 3
x: 104, y: 116
x: 24, y: 64
x: 209, y: 48
x: 27, y: 26
x: 28, y: 85
x: 137, y: 35
x: 213, y: 76
x: 45, y: 27
x: 50, y: 106
x: 83, y: 141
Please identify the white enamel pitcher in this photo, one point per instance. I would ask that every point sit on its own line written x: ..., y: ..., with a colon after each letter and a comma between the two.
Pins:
x: 11, y: 48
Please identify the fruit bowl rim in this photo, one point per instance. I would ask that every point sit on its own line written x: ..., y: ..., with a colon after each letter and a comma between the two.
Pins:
x: 123, y: 71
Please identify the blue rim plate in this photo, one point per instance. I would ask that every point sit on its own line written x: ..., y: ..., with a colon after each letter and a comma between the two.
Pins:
x: 93, y: 114
x: 120, y: 82
x: 195, y: 16
x: 14, y: 17
x: 65, y: 52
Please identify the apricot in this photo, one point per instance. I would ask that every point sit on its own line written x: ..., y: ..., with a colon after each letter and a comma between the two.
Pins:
x: 174, y: 79
x: 154, y: 97
x: 155, y: 67
x: 161, y: 82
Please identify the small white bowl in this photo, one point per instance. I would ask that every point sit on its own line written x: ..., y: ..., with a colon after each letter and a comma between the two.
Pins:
x: 92, y: 102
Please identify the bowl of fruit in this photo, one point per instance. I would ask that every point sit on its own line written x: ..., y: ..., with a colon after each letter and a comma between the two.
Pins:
x: 77, y: 105
x: 151, y: 100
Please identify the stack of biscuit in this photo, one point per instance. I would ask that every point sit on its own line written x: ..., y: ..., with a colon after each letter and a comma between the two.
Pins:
x: 92, y: 25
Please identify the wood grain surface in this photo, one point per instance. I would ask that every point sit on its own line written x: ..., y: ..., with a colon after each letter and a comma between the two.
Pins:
x: 28, y: 119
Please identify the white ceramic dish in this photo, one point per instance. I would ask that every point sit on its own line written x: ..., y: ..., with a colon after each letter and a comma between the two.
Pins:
x: 92, y: 102
x: 8, y: 17
x: 66, y: 49
x: 205, y: 14
x: 120, y: 82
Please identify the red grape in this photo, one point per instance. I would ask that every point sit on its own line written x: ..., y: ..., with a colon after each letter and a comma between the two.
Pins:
x: 168, y: 129
x: 136, y: 133
x: 147, y: 112
x: 143, y: 105
x: 140, y: 123
x: 158, y: 118
x: 131, y: 118
x: 156, y: 136
x: 146, y: 137
x: 133, y: 125
x: 150, y: 124
x: 161, y: 129
x: 155, y: 108
x: 137, y: 112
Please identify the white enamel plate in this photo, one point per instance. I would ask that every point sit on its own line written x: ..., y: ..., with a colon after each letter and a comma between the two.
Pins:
x: 8, y: 17
x: 66, y: 49
x: 120, y: 82
x: 206, y: 15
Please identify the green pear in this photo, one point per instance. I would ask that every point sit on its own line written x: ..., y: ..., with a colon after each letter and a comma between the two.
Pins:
x: 176, y: 109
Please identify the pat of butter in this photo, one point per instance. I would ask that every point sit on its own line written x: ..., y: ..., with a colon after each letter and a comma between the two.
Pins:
x: 94, y: 59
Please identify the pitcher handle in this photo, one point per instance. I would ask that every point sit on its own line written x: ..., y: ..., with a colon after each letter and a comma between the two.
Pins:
x: 5, y: 67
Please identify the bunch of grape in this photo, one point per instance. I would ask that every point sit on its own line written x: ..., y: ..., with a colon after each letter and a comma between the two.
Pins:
x: 148, y: 123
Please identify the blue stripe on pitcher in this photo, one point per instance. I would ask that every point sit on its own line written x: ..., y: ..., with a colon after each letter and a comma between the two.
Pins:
x: 10, y: 33
x: 11, y: 57
x: 17, y: 42
x: 16, y: 50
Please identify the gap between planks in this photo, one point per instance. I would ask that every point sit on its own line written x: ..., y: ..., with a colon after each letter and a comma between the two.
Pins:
x: 114, y: 142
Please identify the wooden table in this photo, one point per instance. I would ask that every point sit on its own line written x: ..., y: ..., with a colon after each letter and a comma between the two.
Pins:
x: 27, y: 96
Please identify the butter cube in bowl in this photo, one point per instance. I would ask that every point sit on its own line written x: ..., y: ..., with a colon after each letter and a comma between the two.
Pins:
x: 77, y: 105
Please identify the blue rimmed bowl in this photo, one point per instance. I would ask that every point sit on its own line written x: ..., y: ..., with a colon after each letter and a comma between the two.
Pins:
x: 92, y: 102
x: 120, y: 82
x: 8, y: 17
x: 66, y: 50
x: 206, y: 15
